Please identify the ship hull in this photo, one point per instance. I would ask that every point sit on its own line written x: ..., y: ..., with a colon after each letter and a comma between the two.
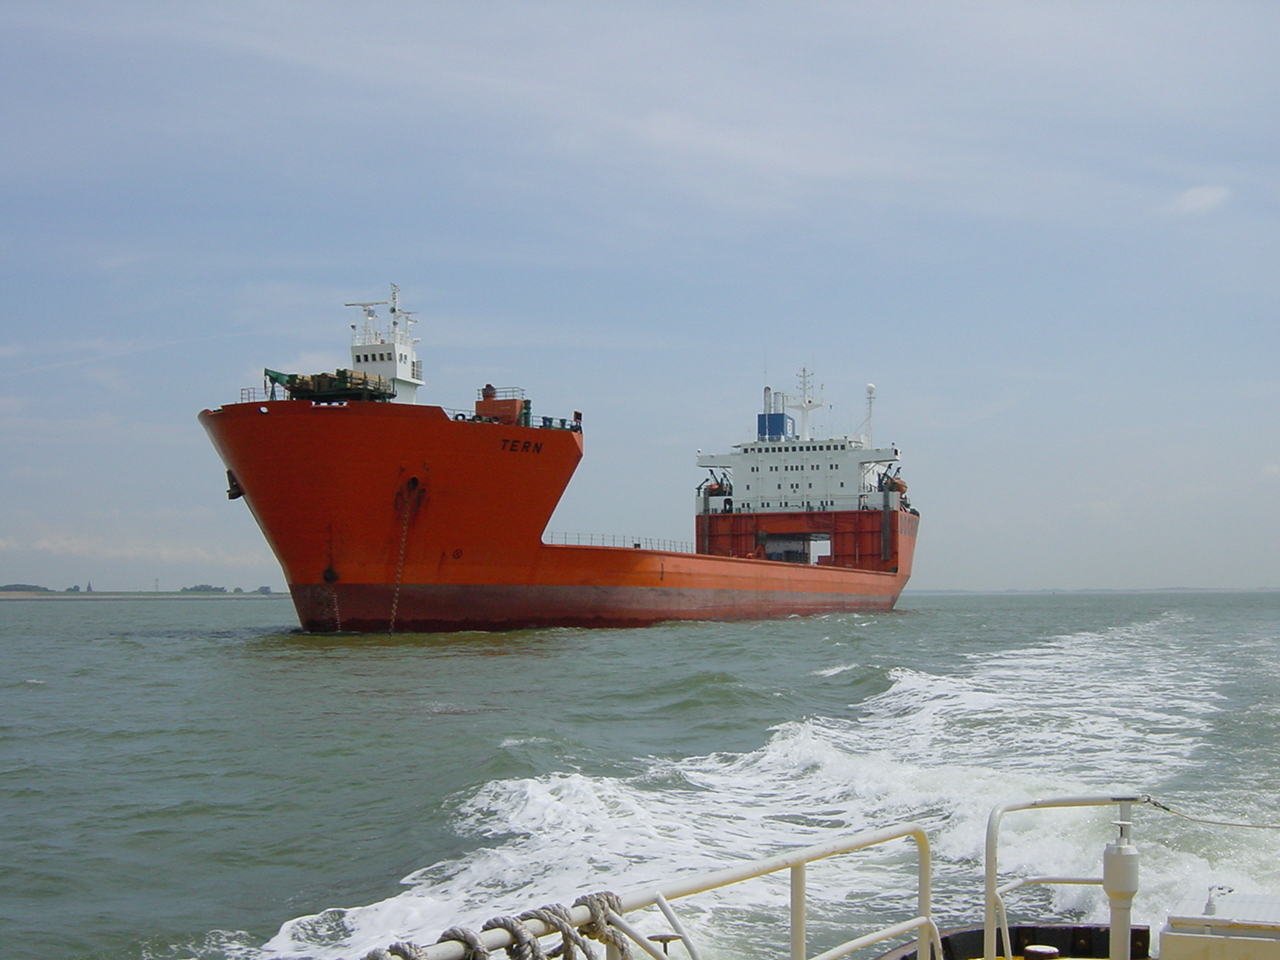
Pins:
x: 397, y: 517
x: 655, y: 587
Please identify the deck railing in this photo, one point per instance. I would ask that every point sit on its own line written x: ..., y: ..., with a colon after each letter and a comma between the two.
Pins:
x: 928, y: 942
x: 617, y: 540
x: 259, y: 394
x: 1119, y: 872
x: 262, y: 394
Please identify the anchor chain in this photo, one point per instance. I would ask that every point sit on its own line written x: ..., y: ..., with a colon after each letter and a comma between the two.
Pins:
x: 337, y: 617
x: 395, y: 596
x: 408, y: 498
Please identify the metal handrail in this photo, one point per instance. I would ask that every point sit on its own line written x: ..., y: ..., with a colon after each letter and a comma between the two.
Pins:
x: 995, y: 916
x: 617, y: 540
x: 928, y: 940
x: 264, y: 394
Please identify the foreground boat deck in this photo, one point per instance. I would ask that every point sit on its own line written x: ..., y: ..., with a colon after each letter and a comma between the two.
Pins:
x: 1216, y: 928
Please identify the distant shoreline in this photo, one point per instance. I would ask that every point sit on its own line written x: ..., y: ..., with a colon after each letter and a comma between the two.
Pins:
x: 137, y: 595
x: 1082, y: 591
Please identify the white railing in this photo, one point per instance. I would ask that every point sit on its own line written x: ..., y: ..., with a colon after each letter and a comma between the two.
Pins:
x: 1119, y: 873
x: 258, y: 394
x: 617, y: 540
x: 540, y: 422
x: 928, y: 939
x: 605, y: 913
x: 503, y: 393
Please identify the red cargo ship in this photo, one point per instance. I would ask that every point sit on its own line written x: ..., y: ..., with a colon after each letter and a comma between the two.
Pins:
x: 387, y: 515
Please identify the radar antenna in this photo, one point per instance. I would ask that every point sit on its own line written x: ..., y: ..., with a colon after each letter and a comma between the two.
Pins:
x: 370, y: 314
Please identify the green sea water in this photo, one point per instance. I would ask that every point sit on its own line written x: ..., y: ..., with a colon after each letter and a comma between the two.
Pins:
x: 193, y: 778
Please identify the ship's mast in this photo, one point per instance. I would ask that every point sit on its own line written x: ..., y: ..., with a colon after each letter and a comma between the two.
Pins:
x: 391, y: 355
x: 397, y: 315
x: 805, y: 403
x: 871, y: 401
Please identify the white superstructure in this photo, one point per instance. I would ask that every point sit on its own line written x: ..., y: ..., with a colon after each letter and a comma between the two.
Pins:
x: 784, y: 470
x: 387, y: 353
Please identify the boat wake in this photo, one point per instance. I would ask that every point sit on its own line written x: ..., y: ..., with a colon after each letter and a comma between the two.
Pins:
x: 1084, y: 712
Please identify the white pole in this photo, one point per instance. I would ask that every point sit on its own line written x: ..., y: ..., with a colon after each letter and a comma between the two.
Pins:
x: 1120, y: 881
x: 797, y: 912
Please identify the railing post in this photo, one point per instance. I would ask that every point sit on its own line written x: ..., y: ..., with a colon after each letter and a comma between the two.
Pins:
x: 797, y: 912
x: 990, y: 884
x: 1120, y: 881
x: 924, y: 899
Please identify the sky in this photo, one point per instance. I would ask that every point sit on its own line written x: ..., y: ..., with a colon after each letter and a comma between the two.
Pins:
x: 1047, y: 233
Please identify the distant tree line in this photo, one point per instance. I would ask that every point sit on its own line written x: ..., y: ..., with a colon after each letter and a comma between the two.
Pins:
x: 198, y: 588
x: 207, y: 588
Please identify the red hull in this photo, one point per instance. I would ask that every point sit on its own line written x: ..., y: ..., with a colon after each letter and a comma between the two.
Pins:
x: 662, y: 586
x: 395, y: 517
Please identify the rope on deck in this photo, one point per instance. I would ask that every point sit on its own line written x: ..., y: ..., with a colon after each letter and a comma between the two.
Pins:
x: 1147, y: 798
x: 405, y: 951
x: 556, y: 916
x: 475, y: 949
x: 524, y: 945
x: 598, y: 927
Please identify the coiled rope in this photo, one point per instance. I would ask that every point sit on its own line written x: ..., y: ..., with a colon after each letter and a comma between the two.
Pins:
x: 475, y: 949
x: 398, y: 951
x: 556, y: 916
x: 598, y: 927
x: 524, y: 945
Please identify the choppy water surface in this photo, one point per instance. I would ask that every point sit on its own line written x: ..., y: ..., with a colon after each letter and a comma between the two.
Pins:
x: 192, y: 778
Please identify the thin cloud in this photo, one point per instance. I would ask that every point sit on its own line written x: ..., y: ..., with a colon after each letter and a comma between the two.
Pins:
x: 113, y: 548
x: 1199, y: 200
x: 749, y: 110
x: 103, y: 350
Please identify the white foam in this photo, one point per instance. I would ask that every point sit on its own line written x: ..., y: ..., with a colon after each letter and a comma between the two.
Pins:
x: 1085, y: 713
x: 834, y: 671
